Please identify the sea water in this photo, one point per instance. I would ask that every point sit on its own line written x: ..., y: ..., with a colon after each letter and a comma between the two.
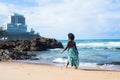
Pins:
x: 94, y: 53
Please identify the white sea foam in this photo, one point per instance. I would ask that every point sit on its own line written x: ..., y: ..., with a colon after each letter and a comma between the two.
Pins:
x: 56, y: 49
x: 110, y: 67
x: 105, y: 66
x: 89, y: 65
x: 114, y: 44
x: 90, y: 44
x: 99, y: 44
x: 59, y: 60
x: 93, y: 65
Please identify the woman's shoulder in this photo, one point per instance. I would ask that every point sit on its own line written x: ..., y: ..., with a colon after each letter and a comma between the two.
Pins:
x: 71, y: 43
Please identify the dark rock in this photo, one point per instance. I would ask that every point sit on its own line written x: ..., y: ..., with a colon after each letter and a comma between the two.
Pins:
x: 115, y: 63
x: 110, y: 63
x: 38, y: 44
x: 22, y: 56
x: 4, y: 55
x: 117, y: 48
x: 18, y: 49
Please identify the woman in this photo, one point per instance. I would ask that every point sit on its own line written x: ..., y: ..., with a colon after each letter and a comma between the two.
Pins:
x: 73, y: 58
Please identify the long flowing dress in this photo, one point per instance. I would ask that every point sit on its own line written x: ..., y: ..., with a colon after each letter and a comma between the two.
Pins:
x: 73, y: 57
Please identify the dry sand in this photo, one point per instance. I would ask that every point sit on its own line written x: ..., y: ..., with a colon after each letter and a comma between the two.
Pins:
x: 23, y: 71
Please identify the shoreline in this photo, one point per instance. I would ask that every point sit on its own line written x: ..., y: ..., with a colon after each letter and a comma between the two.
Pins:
x: 45, y: 64
x: 80, y: 68
x: 27, y: 71
x: 98, y: 67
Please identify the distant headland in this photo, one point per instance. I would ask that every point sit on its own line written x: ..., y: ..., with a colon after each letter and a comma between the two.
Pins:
x: 16, y: 29
x: 16, y: 43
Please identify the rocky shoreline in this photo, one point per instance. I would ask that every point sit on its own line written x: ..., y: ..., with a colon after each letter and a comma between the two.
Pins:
x: 21, y: 49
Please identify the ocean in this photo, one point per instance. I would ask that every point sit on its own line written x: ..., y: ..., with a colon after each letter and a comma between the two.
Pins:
x: 93, y: 53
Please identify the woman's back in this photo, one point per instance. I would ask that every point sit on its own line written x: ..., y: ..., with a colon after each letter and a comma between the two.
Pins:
x: 71, y: 44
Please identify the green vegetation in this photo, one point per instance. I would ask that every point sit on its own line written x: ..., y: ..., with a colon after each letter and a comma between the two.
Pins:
x: 3, y: 33
x: 22, y: 36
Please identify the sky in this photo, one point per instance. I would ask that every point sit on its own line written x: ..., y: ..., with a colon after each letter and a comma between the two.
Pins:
x: 87, y: 19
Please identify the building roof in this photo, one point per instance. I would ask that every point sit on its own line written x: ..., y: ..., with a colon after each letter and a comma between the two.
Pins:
x: 16, y: 14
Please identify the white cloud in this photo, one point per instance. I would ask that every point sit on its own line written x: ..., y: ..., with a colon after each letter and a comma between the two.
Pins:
x: 85, y: 18
x: 3, y: 14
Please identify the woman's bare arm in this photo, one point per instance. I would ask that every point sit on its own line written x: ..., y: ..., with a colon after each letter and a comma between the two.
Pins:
x: 65, y: 47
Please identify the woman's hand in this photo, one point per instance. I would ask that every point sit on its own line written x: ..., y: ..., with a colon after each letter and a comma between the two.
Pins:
x: 62, y: 52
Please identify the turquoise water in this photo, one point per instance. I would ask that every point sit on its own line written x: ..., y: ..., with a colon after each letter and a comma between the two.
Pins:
x: 92, y: 52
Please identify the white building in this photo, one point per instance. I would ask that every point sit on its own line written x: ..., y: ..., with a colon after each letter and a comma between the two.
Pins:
x: 16, y: 24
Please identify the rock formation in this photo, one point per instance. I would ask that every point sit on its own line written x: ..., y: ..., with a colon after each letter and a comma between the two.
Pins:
x: 19, y: 49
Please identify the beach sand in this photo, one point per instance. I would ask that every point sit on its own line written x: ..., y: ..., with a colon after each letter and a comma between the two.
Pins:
x: 24, y: 71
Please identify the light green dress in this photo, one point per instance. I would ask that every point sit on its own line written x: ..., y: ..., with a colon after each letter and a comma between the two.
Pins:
x: 73, y: 57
